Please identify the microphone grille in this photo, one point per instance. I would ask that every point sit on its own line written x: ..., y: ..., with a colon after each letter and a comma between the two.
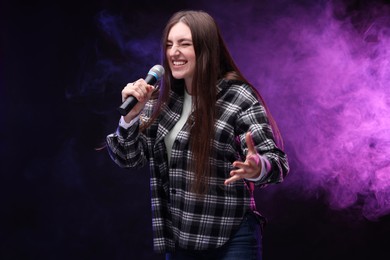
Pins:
x: 158, y: 70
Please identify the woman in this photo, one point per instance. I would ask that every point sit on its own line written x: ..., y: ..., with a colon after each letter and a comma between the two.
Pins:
x: 209, y: 139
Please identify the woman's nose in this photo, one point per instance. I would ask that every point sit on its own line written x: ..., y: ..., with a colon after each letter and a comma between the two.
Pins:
x: 174, y: 50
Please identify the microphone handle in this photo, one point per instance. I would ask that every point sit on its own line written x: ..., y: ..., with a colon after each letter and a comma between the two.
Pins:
x: 127, y: 105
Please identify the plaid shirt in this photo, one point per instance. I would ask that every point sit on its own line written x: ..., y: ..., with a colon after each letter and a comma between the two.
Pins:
x: 180, y: 217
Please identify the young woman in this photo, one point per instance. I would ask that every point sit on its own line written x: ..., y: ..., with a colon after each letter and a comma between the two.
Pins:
x: 209, y: 139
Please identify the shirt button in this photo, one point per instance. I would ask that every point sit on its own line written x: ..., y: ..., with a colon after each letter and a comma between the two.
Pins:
x: 173, y: 191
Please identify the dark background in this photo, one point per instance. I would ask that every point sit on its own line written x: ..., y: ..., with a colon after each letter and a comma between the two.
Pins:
x: 62, y: 197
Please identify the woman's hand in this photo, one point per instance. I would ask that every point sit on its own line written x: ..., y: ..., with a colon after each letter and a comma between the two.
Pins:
x: 141, y: 91
x: 251, y: 168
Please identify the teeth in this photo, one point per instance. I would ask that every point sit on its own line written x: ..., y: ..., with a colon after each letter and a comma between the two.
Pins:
x: 178, y: 63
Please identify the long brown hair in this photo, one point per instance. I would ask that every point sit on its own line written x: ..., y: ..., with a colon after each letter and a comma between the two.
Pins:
x: 213, y: 62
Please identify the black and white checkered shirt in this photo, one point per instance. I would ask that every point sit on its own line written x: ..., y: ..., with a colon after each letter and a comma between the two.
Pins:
x: 181, y: 218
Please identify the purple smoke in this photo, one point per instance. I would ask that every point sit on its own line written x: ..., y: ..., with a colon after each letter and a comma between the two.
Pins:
x: 325, y: 74
x: 324, y: 71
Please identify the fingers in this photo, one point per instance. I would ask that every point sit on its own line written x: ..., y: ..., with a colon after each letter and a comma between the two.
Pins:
x: 139, y: 89
x: 249, y: 142
x: 248, y: 169
x: 232, y: 179
x: 236, y: 175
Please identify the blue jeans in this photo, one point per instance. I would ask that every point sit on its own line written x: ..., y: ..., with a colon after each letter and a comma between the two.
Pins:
x: 245, y: 244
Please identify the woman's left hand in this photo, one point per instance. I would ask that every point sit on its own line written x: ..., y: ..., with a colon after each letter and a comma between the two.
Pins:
x: 251, y: 168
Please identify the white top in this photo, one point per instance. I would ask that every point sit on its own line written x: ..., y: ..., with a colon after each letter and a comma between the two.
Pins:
x: 171, y: 136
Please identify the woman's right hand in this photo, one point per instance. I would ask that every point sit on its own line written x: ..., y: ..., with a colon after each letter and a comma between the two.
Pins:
x: 141, y: 91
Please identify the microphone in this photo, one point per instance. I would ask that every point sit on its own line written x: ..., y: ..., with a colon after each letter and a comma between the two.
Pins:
x: 154, y: 75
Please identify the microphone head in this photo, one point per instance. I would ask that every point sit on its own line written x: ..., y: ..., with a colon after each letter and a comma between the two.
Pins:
x: 157, y: 71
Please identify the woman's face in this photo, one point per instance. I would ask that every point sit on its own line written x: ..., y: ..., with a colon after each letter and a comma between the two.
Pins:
x: 181, y: 54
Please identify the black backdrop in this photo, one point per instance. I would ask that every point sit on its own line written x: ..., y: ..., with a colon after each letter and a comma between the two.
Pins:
x: 61, y: 197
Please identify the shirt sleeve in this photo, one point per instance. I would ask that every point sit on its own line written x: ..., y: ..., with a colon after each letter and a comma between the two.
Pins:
x: 125, y: 125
